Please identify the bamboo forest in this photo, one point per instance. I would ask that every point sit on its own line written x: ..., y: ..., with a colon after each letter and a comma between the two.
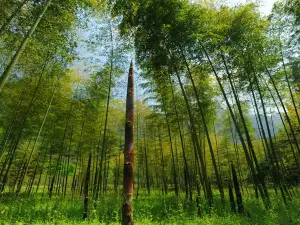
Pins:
x: 149, y: 112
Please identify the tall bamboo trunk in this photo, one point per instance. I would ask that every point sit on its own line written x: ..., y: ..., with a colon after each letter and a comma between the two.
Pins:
x: 86, y: 188
x: 276, y: 169
x: 172, y: 154
x: 23, y: 121
x: 238, y: 194
x: 68, y: 163
x: 146, y: 165
x: 21, y: 167
x: 218, y: 153
x: 198, y: 174
x: 284, y: 109
x: 186, y: 168
x: 256, y: 180
x: 96, y: 175
x: 164, y: 177
x: 37, y: 138
x: 140, y: 155
x: 12, y: 126
x: 41, y: 173
x: 233, y: 134
x: 262, y: 131
x: 12, y: 16
x: 289, y: 87
x: 206, y: 187
x: 107, y: 159
x: 127, y: 213
x: 57, y: 168
x: 231, y: 198
x: 5, y: 140
x: 8, y: 70
x: 48, y: 170
x: 31, y: 181
x: 218, y: 178
x: 284, y: 126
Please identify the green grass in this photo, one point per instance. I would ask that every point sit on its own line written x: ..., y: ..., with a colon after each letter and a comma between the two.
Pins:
x: 154, y: 209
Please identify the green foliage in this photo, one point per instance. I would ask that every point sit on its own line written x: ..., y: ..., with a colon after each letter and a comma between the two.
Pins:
x: 148, y: 210
x: 190, y: 56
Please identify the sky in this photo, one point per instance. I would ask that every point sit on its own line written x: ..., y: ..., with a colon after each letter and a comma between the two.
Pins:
x: 265, y: 5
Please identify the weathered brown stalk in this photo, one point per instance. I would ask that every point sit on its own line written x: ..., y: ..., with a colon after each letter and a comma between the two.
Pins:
x: 127, y: 213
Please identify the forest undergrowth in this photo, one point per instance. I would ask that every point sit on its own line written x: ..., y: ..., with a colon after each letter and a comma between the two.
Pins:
x: 154, y: 209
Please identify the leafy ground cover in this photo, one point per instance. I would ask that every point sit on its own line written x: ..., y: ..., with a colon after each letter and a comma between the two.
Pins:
x: 152, y: 209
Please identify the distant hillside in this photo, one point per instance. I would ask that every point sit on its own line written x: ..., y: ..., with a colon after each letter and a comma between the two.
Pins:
x: 276, y: 122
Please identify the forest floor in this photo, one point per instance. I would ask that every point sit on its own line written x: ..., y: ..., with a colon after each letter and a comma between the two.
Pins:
x: 154, y: 209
